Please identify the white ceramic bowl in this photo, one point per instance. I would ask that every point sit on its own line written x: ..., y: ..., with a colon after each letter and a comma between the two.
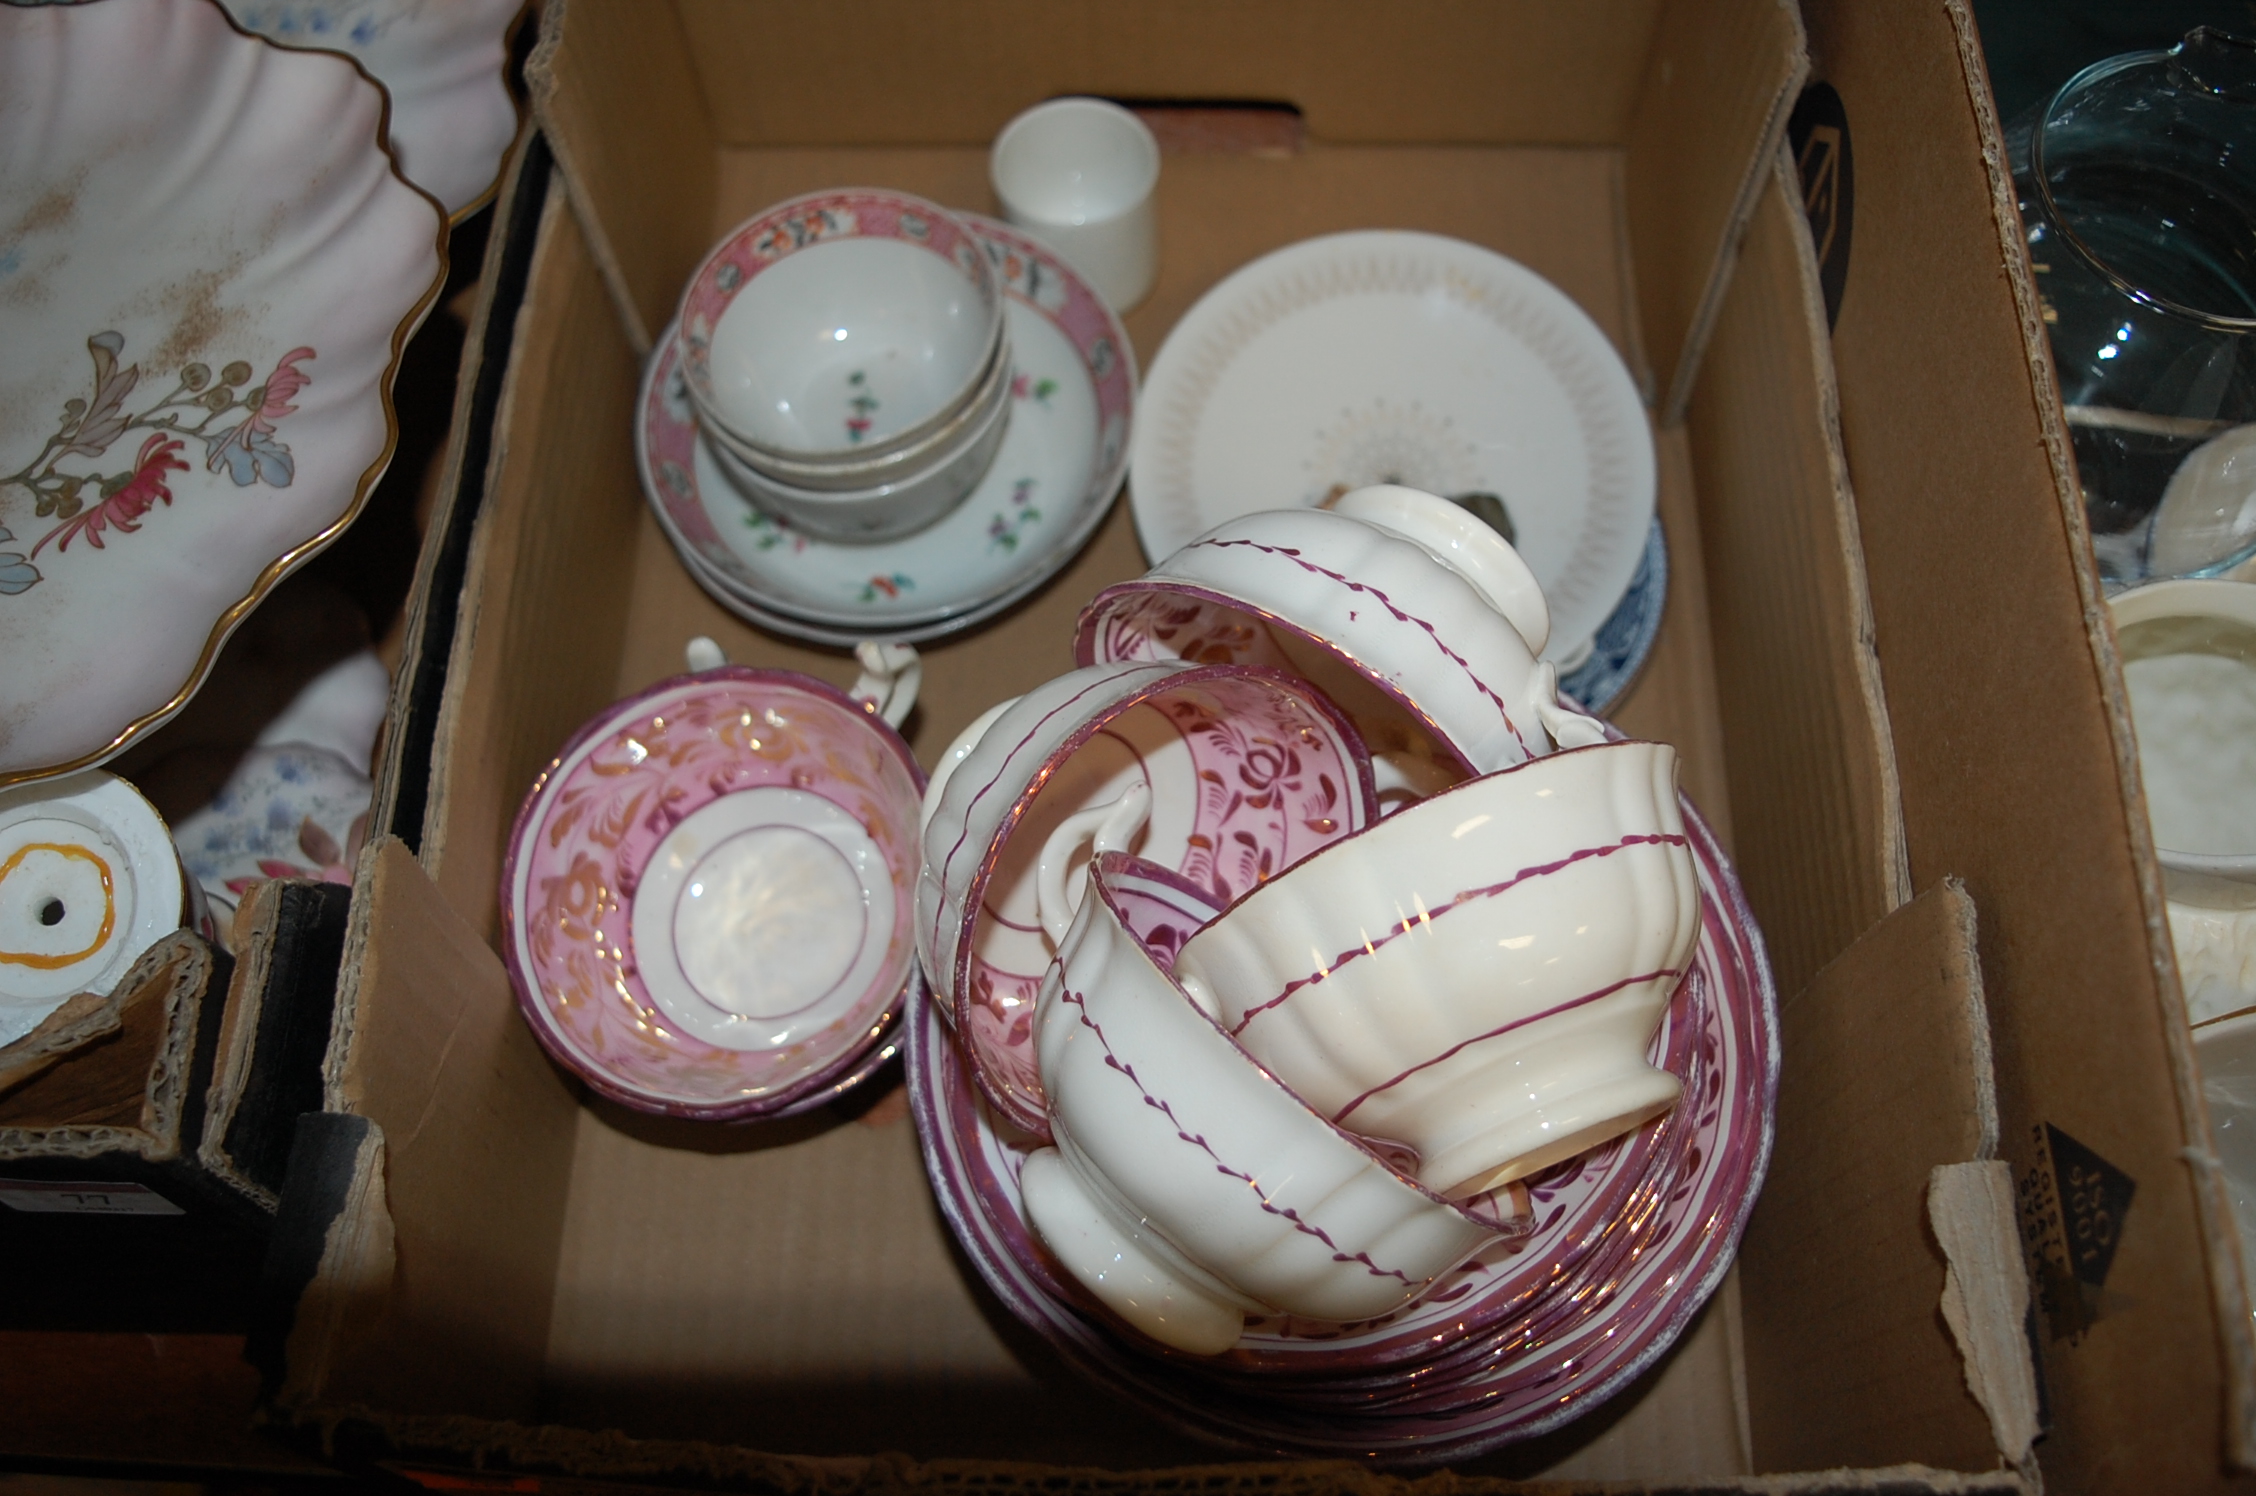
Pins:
x: 895, y: 465
x: 1409, y: 648
x: 910, y: 502
x: 1478, y: 976
x: 840, y: 325
x: 1249, y: 770
x: 2189, y: 663
x: 1188, y: 1187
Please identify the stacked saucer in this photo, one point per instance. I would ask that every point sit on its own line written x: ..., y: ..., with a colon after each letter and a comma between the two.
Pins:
x: 1034, y: 429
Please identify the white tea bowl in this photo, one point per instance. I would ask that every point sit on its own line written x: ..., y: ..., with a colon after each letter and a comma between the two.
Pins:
x: 1410, y: 648
x: 910, y: 499
x: 1479, y: 976
x: 840, y: 325
x: 1188, y: 1187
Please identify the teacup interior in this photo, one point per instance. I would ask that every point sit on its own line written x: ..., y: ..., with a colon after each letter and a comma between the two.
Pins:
x: 2192, y: 682
x: 846, y: 344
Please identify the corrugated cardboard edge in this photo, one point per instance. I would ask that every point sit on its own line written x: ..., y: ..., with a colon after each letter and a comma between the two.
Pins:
x: 343, y: 1022
x: 185, y: 964
x: 1894, y: 849
x: 1696, y: 333
x: 2229, y: 1292
x: 431, y: 845
x: 353, y: 1272
x: 540, y: 79
x: 80, y: 1020
x: 421, y: 605
x: 253, y: 939
x: 1986, y: 1296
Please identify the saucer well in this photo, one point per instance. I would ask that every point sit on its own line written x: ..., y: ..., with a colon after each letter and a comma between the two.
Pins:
x: 1052, y: 481
x: 1395, y: 357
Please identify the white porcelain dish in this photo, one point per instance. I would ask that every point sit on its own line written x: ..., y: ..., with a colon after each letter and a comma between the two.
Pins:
x: 889, y: 511
x: 210, y: 268
x: 1479, y: 975
x: 89, y: 879
x: 1189, y: 1187
x: 1049, y: 487
x: 1394, y: 357
x: 442, y: 62
x: 840, y: 325
x: 2189, y: 664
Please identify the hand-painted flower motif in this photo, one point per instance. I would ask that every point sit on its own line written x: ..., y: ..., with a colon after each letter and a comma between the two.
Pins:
x: 123, y: 504
x: 863, y: 404
x: 246, y: 450
x: 1005, y: 530
x: 887, y: 587
x: 772, y: 532
x: 1027, y: 387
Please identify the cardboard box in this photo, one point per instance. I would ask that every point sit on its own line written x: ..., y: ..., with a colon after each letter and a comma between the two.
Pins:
x: 1883, y: 660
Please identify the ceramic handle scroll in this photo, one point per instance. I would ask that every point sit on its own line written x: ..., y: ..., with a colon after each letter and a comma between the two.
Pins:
x: 891, y: 675
x: 1113, y: 825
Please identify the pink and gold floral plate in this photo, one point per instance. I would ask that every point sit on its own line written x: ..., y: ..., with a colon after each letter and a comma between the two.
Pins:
x: 707, y: 903
x: 208, y: 267
x: 1629, y: 1242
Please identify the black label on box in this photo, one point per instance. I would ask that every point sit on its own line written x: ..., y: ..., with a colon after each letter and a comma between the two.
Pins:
x: 2072, y: 1207
x: 1818, y: 134
x: 83, y: 1197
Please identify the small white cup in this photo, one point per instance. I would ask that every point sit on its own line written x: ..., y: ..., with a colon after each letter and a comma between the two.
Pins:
x: 1078, y: 174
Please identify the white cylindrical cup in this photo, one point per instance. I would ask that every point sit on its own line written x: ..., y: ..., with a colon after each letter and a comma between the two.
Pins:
x: 1079, y: 174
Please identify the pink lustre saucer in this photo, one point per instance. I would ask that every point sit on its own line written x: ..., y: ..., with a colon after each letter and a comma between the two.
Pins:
x: 706, y: 906
x: 208, y: 267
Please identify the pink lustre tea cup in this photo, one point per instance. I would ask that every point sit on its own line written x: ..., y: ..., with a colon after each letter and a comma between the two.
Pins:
x: 1479, y: 976
x: 1247, y: 770
x: 706, y: 909
x: 1437, y: 677
x: 1189, y: 1187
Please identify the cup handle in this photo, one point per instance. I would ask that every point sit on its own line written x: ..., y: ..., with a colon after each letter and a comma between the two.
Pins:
x: 1113, y: 825
x: 1568, y: 729
x: 891, y: 676
x: 702, y: 654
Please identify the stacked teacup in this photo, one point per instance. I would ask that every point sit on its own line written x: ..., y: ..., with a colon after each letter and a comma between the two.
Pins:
x: 844, y: 352
x: 1400, y: 1049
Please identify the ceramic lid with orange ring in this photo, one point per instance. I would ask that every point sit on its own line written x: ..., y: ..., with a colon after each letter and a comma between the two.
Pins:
x: 89, y: 879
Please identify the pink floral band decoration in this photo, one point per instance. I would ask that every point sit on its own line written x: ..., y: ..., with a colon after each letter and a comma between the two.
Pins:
x: 198, y: 407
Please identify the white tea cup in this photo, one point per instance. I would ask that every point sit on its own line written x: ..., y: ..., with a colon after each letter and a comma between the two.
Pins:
x: 1079, y: 174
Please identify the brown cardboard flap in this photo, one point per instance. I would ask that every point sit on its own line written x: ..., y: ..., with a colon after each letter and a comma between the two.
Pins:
x: 1718, y: 85
x: 625, y: 112
x: 1885, y: 1075
x: 1818, y: 813
x: 2018, y: 773
x: 113, y: 1073
x: 477, y: 1140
